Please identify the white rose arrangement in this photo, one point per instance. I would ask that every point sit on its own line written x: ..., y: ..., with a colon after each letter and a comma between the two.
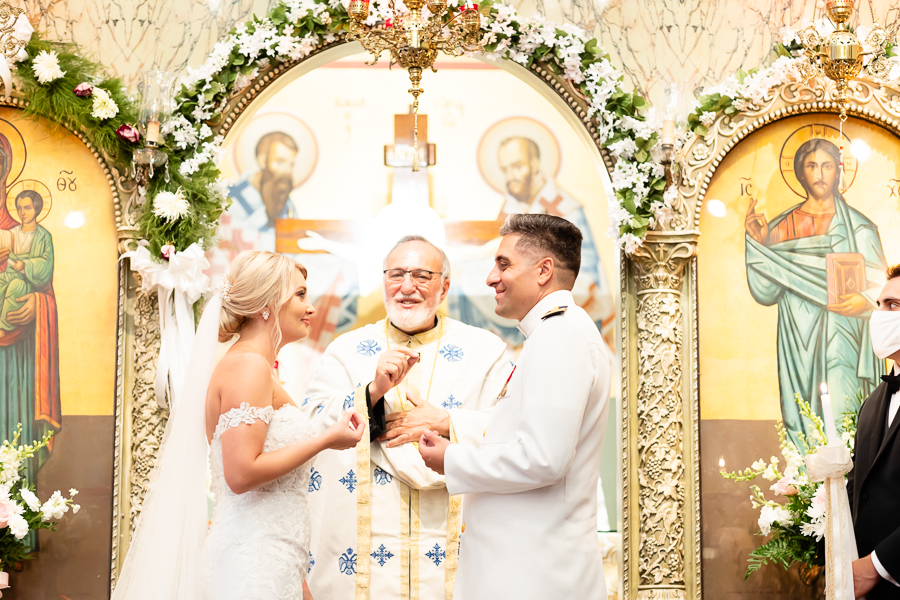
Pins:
x: 21, y: 511
x: 797, y: 524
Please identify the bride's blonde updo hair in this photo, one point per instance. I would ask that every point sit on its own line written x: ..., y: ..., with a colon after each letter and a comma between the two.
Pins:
x: 257, y: 280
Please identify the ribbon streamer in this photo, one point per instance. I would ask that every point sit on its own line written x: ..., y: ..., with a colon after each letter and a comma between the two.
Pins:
x: 178, y: 283
x: 829, y: 464
x: 21, y: 32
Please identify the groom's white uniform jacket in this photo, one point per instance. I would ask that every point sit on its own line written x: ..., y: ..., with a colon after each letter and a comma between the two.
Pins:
x: 530, y: 504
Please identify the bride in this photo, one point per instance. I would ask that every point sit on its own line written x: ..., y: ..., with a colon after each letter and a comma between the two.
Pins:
x: 260, y: 452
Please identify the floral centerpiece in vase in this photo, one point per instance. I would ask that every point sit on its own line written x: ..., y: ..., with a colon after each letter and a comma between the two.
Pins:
x: 20, y: 509
x: 795, y: 520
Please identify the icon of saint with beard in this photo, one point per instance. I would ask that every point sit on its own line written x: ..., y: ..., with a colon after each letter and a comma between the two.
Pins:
x: 264, y: 196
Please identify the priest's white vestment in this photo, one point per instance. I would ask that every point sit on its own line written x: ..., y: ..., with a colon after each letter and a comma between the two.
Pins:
x: 530, y: 488
x: 383, y: 525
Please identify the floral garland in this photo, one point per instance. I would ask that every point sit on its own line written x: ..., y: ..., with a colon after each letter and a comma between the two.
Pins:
x: 65, y: 88
x: 294, y: 28
x: 748, y: 89
x: 184, y: 207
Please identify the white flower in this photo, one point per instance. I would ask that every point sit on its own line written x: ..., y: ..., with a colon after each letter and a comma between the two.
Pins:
x: 54, y: 508
x: 46, y: 67
x: 104, y: 106
x: 770, y: 515
x: 30, y: 499
x: 73, y: 492
x: 171, y: 206
x: 18, y: 526
x: 707, y: 118
x: 76, y: 508
x: 630, y: 242
x: 758, y: 465
x: 623, y: 148
x: 771, y: 473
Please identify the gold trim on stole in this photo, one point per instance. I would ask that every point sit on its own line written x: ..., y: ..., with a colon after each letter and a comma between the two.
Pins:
x: 363, y: 501
x: 405, y: 493
x: 414, y: 544
x: 454, y: 523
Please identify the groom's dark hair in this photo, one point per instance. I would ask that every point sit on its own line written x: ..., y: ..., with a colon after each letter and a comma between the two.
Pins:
x: 893, y: 272
x: 547, y: 235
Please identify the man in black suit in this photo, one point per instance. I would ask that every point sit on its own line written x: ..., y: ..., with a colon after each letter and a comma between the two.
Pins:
x: 874, y: 482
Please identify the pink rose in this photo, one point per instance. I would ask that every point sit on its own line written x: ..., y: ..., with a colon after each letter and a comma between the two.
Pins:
x: 84, y: 90
x: 128, y: 133
x: 818, y: 500
x: 7, y: 509
x: 785, y: 487
x: 167, y: 251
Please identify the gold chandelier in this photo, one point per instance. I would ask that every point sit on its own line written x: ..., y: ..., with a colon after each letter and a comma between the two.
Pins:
x: 415, y: 40
x: 840, y: 55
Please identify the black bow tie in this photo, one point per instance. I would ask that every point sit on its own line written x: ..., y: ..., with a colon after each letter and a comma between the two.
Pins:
x: 893, y: 382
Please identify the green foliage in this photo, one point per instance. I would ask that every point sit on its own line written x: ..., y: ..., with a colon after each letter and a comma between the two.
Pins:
x: 13, y: 550
x: 788, y: 544
x: 57, y: 102
x: 786, y: 551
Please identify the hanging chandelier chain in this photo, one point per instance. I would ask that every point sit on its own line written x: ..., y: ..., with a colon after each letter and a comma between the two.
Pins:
x: 414, y: 39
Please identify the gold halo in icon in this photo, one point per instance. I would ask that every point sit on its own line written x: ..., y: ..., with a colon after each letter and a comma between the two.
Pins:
x: 28, y: 184
x: 244, y: 152
x: 803, y: 135
x: 516, y: 127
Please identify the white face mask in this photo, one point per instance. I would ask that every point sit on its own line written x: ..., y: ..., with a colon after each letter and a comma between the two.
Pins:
x: 884, y: 328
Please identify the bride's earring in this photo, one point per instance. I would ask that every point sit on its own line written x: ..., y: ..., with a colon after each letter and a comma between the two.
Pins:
x: 265, y: 314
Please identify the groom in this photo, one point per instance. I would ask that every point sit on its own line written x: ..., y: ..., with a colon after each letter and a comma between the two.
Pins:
x: 874, y: 482
x: 530, y: 508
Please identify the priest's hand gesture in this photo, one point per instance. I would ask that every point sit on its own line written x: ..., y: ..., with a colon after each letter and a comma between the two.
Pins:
x: 392, y: 367
x: 408, y: 426
x: 432, y: 448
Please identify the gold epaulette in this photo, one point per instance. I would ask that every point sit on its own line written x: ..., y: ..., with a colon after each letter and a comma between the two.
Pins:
x: 553, y: 312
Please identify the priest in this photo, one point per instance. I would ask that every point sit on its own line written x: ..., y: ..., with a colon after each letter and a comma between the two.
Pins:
x: 383, y: 525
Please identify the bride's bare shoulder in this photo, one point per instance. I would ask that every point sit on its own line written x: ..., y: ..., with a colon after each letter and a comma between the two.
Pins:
x: 243, y: 377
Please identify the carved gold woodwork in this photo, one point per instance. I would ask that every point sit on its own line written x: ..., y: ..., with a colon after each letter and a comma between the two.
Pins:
x: 661, y: 560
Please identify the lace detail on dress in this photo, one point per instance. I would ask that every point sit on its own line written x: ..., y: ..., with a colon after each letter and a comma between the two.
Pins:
x: 257, y: 547
x: 245, y: 414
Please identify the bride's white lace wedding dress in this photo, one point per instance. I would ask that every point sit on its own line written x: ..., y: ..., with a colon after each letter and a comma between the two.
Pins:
x: 257, y: 547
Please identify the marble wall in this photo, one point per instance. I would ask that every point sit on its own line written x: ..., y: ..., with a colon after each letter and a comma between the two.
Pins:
x: 691, y: 42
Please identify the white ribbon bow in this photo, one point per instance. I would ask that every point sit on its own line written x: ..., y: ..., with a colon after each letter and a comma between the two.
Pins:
x: 179, y: 283
x: 829, y: 464
x: 22, y: 31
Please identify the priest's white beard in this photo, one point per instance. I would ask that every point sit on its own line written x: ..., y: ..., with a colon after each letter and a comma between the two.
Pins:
x: 408, y: 319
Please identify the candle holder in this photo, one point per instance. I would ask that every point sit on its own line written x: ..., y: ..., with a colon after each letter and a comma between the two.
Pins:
x: 156, y: 90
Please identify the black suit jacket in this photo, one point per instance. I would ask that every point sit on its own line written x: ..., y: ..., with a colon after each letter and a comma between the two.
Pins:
x: 874, y: 489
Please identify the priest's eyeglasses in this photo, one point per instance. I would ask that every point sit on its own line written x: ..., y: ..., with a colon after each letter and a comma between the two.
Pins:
x: 417, y: 275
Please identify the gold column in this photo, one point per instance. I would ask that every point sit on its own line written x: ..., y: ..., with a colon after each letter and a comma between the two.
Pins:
x: 660, y: 463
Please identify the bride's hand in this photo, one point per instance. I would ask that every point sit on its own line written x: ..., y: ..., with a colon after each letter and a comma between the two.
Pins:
x: 346, y: 433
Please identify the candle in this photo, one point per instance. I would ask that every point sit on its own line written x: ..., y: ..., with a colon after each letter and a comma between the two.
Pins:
x: 668, y: 132
x: 152, y: 131
x: 828, y: 415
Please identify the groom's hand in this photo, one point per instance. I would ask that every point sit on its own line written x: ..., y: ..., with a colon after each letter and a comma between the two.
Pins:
x: 865, y: 576
x: 432, y: 448
x: 408, y: 426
